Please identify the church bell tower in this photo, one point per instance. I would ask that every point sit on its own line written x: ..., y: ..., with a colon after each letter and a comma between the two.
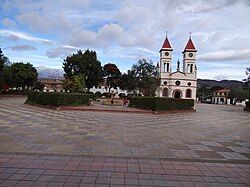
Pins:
x: 189, y: 58
x: 165, y: 59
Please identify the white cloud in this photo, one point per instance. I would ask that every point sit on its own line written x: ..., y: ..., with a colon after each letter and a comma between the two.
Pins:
x: 8, y: 23
x: 20, y: 35
x: 226, y: 55
x: 127, y: 30
x: 60, y: 51
x: 22, y: 48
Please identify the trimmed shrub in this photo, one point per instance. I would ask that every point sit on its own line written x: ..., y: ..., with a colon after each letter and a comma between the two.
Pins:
x: 59, y: 99
x: 161, y: 103
x: 122, y: 95
x: 98, y: 94
x: 107, y: 95
x: 247, y: 108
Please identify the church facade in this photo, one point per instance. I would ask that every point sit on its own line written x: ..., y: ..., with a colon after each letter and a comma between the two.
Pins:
x: 181, y: 83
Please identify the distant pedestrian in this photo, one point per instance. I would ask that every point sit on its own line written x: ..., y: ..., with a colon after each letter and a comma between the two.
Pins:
x: 125, y: 102
x: 112, y: 100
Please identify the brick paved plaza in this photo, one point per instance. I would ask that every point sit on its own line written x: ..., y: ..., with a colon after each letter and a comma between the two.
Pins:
x: 45, y: 147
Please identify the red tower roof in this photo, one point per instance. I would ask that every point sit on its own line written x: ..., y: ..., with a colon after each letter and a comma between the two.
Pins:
x: 189, y: 46
x: 166, y: 44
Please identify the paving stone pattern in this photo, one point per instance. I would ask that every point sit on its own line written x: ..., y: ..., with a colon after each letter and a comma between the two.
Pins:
x: 44, y: 147
x: 24, y: 170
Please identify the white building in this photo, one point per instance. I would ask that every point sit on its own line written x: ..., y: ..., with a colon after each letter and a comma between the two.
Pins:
x: 221, y: 97
x: 178, y: 84
x: 105, y: 89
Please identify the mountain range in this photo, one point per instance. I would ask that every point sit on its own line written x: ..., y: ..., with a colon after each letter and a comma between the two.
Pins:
x: 222, y: 83
x: 45, y: 72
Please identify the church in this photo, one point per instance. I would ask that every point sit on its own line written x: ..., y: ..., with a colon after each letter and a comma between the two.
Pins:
x: 182, y: 82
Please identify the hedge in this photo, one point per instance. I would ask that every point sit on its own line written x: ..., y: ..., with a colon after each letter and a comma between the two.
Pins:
x: 161, y: 103
x: 247, y: 108
x: 59, y: 99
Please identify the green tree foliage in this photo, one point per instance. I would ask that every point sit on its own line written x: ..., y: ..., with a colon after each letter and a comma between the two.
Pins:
x: 144, y: 77
x: 68, y: 85
x: 4, y: 61
x: 75, y: 84
x: 112, y: 73
x: 128, y: 81
x: 246, y: 82
x: 83, y: 63
x: 240, y: 94
x: 203, y: 92
x: 79, y: 83
x: 7, y: 79
x: 38, y: 86
x: 23, y: 75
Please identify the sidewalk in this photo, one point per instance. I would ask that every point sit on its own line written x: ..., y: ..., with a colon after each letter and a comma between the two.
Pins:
x: 25, y: 170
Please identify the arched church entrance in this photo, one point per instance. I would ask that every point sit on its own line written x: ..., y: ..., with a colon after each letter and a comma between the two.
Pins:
x: 177, y: 94
x: 165, y: 92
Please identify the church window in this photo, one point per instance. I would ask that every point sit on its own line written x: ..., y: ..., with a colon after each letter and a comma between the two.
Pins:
x: 165, y: 82
x: 165, y: 92
x: 164, y: 67
x: 177, y: 83
x: 188, y: 93
x: 191, y: 68
x: 189, y: 84
x: 167, y: 67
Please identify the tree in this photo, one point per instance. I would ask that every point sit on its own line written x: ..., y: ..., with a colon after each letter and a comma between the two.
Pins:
x: 112, y: 73
x: 83, y: 63
x: 147, y: 77
x: 246, y: 83
x: 39, y: 86
x: 3, y: 62
x: 203, y: 92
x: 68, y: 85
x: 23, y: 75
x: 79, y: 83
x: 75, y: 84
x: 7, y: 76
x: 238, y: 93
x: 128, y: 81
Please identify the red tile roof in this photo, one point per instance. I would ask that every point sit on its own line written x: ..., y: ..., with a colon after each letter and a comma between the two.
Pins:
x: 223, y: 90
x: 189, y: 46
x: 166, y: 44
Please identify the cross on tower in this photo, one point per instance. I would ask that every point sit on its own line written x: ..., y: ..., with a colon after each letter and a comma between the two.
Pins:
x: 190, y: 33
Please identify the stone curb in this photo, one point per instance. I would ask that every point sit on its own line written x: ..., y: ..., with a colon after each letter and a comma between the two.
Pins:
x: 124, y: 111
x: 130, y: 157
x: 65, y: 108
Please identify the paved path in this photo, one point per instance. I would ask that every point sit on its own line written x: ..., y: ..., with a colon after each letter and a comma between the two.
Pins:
x: 214, y: 142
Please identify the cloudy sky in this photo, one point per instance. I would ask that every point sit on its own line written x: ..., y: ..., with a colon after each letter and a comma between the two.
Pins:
x: 44, y: 32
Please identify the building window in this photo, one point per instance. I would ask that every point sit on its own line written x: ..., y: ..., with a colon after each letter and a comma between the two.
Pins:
x: 167, y: 67
x: 189, y: 84
x: 177, y: 83
x: 165, y: 92
x: 191, y: 68
x: 165, y: 82
x: 164, y: 67
x: 177, y: 94
x: 188, y: 93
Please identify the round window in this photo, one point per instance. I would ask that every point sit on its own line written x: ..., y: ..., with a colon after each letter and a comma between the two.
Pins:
x: 165, y: 82
x: 189, y: 84
x: 177, y: 83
